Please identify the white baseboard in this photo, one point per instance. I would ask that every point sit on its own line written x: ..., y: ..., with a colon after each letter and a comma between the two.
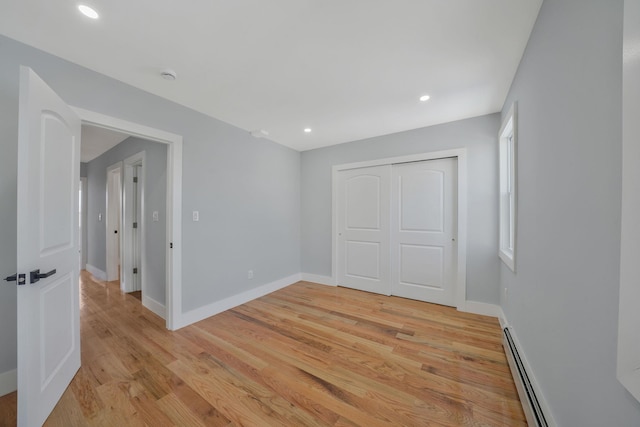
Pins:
x: 198, y: 314
x: 97, y: 273
x: 317, y: 278
x: 542, y: 401
x: 503, y: 319
x: 8, y: 382
x: 153, y: 305
x: 482, y: 308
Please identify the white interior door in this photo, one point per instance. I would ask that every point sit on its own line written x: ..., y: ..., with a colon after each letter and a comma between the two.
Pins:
x: 423, y: 219
x: 114, y: 213
x: 133, y: 225
x: 137, y: 227
x: 48, y: 310
x: 363, y: 229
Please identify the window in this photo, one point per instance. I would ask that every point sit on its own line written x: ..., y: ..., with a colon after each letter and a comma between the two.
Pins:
x: 508, y: 193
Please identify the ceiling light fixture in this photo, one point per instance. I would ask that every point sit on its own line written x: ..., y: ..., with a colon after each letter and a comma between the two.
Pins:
x: 307, y: 130
x: 87, y: 11
x: 424, y: 98
x: 168, y: 74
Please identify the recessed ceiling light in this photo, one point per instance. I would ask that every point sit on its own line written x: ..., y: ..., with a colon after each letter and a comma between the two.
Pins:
x: 424, y: 98
x: 307, y: 130
x: 88, y: 11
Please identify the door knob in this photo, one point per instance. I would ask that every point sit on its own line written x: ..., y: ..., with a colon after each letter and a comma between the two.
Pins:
x: 35, y: 275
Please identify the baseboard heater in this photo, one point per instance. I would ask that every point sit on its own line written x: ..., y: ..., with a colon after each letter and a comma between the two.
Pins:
x: 530, y: 404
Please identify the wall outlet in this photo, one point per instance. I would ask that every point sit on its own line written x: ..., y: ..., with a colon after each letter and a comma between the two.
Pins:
x: 196, y: 216
x: 156, y: 216
x: 250, y: 274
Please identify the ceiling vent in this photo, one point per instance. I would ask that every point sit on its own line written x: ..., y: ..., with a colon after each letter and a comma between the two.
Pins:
x: 168, y: 74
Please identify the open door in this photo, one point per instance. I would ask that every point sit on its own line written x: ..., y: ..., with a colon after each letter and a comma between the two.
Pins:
x: 48, y: 309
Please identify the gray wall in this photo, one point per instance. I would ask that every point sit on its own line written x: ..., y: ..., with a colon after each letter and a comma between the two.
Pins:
x: 247, y: 190
x: 563, y: 299
x: 83, y: 170
x: 155, y: 174
x: 8, y: 219
x: 479, y: 135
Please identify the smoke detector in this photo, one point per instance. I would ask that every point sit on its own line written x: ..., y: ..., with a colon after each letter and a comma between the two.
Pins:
x: 168, y: 74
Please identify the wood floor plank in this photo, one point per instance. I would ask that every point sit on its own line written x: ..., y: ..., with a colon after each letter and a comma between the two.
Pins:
x: 8, y: 409
x: 306, y: 355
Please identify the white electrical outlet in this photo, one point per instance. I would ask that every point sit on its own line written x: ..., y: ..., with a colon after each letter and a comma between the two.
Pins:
x: 250, y: 274
x: 196, y: 216
x: 156, y: 216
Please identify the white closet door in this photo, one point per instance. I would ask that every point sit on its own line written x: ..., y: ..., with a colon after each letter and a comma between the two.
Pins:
x: 363, y: 229
x: 424, y: 218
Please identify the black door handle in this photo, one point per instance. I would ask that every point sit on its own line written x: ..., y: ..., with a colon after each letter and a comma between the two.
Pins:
x: 19, y: 278
x: 35, y: 275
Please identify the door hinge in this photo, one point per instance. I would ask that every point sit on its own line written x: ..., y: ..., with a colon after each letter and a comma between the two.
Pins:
x: 20, y: 279
x: 135, y: 179
x: 135, y: 271
x: 135, y: 225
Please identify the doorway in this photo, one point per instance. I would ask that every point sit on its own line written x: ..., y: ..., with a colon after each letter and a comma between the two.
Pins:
x: 82, y: 222
x: 172, y: 243
x: 134, y: 235
x: 113, y: 221
x: 134, y: 227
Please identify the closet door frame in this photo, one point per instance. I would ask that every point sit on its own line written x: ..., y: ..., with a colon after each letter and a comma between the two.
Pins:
x: 461, y: 155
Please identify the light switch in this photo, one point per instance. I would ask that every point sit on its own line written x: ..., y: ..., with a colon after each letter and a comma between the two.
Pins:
x: 156, y: 218
x: 196, y: 216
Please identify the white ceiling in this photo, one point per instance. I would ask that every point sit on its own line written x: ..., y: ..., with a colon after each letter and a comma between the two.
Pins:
x: 96, y: 141
x: 348, y: 69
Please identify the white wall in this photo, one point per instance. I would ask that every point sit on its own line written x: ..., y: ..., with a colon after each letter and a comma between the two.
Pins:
x: 478, y: 135
x: 247, y: 190
x: 563, y: 300
x: 155, y: 174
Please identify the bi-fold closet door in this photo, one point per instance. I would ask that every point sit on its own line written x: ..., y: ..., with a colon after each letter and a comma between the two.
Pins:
x: 397, y: 229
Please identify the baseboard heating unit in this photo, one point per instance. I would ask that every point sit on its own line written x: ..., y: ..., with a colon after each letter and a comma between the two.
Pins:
x: 530, y: 403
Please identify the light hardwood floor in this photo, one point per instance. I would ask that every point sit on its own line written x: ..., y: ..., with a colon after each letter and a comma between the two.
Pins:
x: 307, y: 355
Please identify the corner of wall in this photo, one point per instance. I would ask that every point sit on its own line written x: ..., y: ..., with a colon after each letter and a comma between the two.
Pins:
x: 8, y: 382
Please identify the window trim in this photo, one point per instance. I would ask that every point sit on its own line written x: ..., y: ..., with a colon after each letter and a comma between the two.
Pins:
x: 508, y: 191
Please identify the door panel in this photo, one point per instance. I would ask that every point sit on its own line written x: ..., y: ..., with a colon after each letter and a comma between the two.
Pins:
x: 56, y: 206
x: 421, y: 200
x: 421, y: 266
x: 48, y: 309
x: 363, y: 229
x: 363, y: 202
x: 423, y: 218
x: 57, y: 325
x: 363, y: 260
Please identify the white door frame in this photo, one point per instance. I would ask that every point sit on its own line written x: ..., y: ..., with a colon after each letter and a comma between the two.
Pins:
x: 461, y: 254
x: 83, y: 223
x: 113, y: 196
x: 173, y: 305
x: 128, y: 253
